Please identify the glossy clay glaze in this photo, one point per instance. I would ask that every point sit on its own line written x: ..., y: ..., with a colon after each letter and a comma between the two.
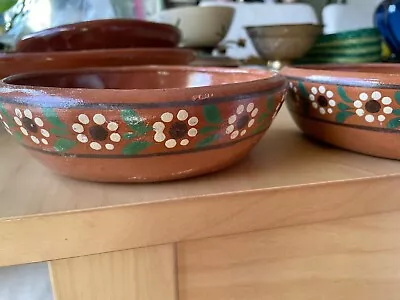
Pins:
x: 15, y: 63
x: 356, y: 107
x: 141, y: 123
x: 101, y: 34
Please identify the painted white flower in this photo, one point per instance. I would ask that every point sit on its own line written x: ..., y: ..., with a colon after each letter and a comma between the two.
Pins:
x: 97, y: 131
x: 6, y: 126
x: 172, y: 132
x: 31, y: 126
x: 322, y: 99
x: 373, y: 108
x: 241, y: 120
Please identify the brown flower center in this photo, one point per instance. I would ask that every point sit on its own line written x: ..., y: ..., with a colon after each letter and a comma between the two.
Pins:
x: 373, y: 106
x: 98, y: 133
x: 29, y: 125
x: 322, y: 101
x: 178, y: 130
x: 242, y: 122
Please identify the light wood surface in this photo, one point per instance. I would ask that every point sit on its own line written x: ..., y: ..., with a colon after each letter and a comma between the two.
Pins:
x: 340, y: 260
x: 287, y: 180
x: 139, y: 274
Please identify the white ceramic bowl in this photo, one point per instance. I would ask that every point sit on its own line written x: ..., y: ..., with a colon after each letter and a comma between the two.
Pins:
x: 200, y: 26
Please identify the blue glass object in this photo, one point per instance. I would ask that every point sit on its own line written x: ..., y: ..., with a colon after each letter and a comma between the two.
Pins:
x: 387, y: 19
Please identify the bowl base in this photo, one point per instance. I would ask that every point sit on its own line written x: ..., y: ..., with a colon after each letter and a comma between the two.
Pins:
x: 149, y: 169
x: 369, y: 142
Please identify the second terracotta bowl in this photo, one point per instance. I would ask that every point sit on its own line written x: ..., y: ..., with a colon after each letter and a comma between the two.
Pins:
x: 15, y: 63
x: 356, y: 107
x: 140, y: 123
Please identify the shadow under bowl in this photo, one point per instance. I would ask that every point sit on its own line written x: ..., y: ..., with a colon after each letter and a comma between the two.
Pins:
x: 16, y: 63
x: 355, y: 107
x: 140, y: 124
x: 101, y: 34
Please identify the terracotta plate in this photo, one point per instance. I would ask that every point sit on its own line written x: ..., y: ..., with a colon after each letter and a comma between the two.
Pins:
x: 101, y: 34
x: 11, y: 64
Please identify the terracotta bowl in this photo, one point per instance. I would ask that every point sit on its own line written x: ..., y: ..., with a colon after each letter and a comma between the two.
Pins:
x: 200, y: 26
x: 283, y: 42
x: 16, y: 63
x: 140, y: 123
x: 101, y: 34
x: 355, y: 107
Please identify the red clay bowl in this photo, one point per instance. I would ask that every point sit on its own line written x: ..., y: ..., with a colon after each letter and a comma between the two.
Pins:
x: 355, y: 107
x: 101, y: 34
x: 16, y: 63
x: 140, y: 123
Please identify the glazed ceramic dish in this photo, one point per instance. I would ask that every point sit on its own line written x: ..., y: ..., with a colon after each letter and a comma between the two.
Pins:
x: 356, y: 107
x: 32, y: 62
x: 283, y: 42
x: 140, y: 123
x: 200, y: 26
x: 101, y: 34
x: 355, y: 46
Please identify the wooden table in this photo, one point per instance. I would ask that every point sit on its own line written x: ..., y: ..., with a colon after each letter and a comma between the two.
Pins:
x: 295, y: 220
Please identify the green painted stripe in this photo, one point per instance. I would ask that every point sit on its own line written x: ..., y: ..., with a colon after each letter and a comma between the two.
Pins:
x: 344, y: 60
x: 349, y: 42
x: 352, y: 45
x: 335, y: 56
x: 350, y: 34
x: 370, y: 51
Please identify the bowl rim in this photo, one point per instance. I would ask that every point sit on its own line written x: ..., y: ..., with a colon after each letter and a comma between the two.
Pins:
x: 100, y: 52
x: 251, y: 30
x: 196, y: 8
x: 329, y: 74
x: 268, y: 82
x: 100, y: 22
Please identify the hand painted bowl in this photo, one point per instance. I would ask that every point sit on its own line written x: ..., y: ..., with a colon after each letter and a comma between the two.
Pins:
x: 355, y: 107
x: 201, y: 26
x: 283, y: 42
x: 140, y: 123
x: 101, y: 34
x: 16, y: 63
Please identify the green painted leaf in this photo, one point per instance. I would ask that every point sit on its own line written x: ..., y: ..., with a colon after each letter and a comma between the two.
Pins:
x: 303, y: 90
x: 343, y: 95
x: 135, y: 147
x: 53, y: 118
x: 396, y: 112
x: 18, y: 136
x: 394, y: 123
x: 134, y: 121
x: 208, y: 129
x: 212, y: 114
x: 63, y: 145
x: 397, y: 97
x: 342, y: 116
x: 207, y: 141
x: 270, y: 104
x: 129, y: 135
x: 343, y: 107
x: 6, y: 5
x: 58, y: 131
x: 4, y: 113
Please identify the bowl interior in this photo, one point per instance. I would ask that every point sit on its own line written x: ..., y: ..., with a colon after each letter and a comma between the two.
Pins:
x: 138, y: 78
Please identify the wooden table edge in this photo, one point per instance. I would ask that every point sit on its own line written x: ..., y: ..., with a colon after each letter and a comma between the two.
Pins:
x: 78, y: 233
